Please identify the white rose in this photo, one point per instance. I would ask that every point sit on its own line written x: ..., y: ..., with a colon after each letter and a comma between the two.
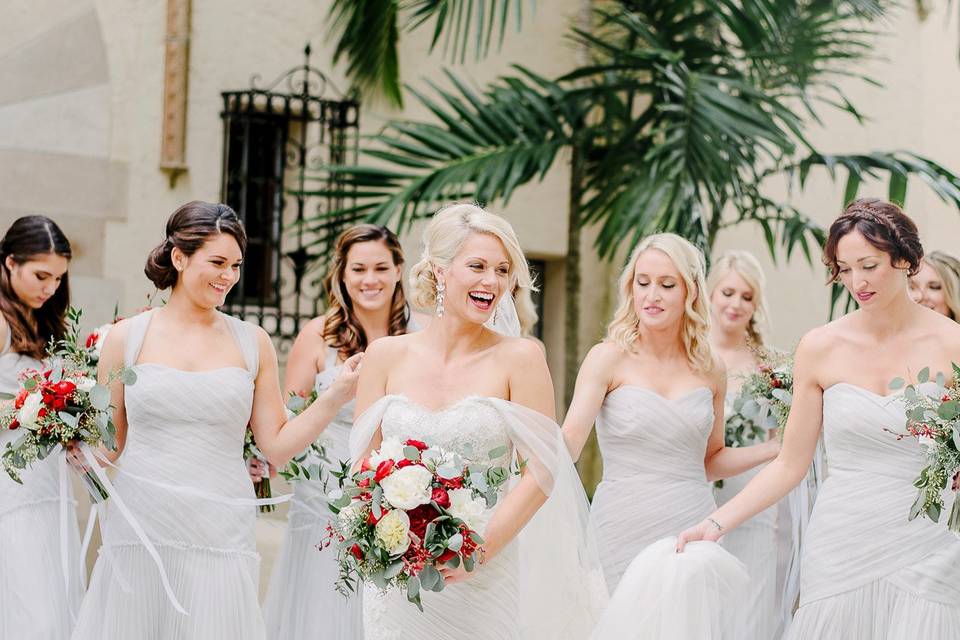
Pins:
x: 27, y: 416
x: 408, y: 487
x: 350, y: 513
x: 393, y: 532
x: 84, y: 384
x: 390, y: 449
x: 101, y: 332
x: 467, y: 508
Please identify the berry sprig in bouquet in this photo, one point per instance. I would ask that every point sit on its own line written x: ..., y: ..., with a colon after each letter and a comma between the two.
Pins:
x: 933, y: 418
x: 58, y: 406
x: 410, y: 510
x: 764, y: 399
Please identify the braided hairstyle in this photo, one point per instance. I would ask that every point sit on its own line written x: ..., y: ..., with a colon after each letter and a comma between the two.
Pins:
x: 884, y: 225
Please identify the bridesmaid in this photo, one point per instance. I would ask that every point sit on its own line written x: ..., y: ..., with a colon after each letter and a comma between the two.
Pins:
x: 738, y: 311
x: 656, y: 391
x: 937, y: 284
x: 365, y: 302
x: 202, y: 378
x: 867, y: 572
x: 36, y: 599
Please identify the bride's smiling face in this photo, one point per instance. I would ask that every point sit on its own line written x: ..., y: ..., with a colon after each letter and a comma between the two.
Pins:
x: 475, y: 278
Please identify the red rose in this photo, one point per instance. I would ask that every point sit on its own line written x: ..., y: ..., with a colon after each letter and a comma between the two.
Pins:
x: 405, y: 463
x: 446, y: 556
x: 420, y: 446
x: 384, y: 469
x: 42, y: 412
x: 59, y: 403
x: 775, y: 383
x: 441, y: 497
x: 357, y: 552
x: 21, y: 398
x: 14, y: 425
x: 365, y: 465
x: 363, y: 484
x: 92, y: 340
x: 372, y: 520
x: 420, y: 517
x: 452, y: 483
x: 945, y: 398
x: 64, y: 388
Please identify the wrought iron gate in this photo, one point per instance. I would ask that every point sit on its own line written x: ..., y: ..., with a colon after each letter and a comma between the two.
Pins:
x: 272, y: 137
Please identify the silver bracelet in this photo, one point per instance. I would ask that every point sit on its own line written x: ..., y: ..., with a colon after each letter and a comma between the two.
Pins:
x: 716, y: 524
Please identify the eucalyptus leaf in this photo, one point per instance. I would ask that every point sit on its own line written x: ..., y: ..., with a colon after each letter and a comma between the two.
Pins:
x: 411, y: 453
x: 429, y: 577
x: 378, y: 579
x: 750, y: 409
x: 897, y: 383
x: 393, y: 570
x: 128, y: 376
x: 100, y: 397
x: 933, y: 511
x: 375, y: 505
x: 782, y: 395
x: 949, y: 410
x: 917, y: 506
x: 67, y: 419
x: 924, y: 375
x: 498, y: 452
x: 455, y: 543
x: 7, y: 396
x: 448, y: 472
x: 941, y: 379
x: 413, y: 588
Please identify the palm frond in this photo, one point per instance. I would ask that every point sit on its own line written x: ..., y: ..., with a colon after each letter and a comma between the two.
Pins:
x: 460, y: 22
x: 366, y: 32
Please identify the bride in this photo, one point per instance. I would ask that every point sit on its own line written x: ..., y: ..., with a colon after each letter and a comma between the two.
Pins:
x: 468, y: 388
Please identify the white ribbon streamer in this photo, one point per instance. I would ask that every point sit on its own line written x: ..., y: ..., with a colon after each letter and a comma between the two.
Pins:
x: 134, y: 525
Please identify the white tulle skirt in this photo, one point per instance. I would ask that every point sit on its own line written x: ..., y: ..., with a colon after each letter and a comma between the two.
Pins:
x: 36, y: 602
x: 301, y: 601
x: 665, y: 595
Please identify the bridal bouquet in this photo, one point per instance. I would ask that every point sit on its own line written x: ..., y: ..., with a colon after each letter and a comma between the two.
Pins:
x: 409, y: 510
x: 764, y: 400
x: 933, y: 418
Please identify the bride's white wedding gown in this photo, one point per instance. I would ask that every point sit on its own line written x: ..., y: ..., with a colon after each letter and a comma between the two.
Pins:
x: 546, y: 584
x: 867, y: 573
x: 654, y: 486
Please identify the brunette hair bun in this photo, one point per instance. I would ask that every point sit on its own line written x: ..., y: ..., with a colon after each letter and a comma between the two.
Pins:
x: 188, y: 229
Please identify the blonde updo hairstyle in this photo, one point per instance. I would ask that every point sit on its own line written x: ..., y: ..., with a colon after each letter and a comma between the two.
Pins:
x: 624, y: 330
x: 948, y: 268
x: 442, y: 239
x: 745, y: 265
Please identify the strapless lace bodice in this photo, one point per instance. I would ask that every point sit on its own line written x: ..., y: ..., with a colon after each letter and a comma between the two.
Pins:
x: 472, y: 426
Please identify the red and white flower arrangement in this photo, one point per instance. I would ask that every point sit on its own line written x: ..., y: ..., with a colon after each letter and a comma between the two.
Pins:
x: 410, y: 510
x: 60, y: 405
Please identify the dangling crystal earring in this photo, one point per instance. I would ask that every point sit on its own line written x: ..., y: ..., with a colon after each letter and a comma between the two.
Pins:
x: 496, y: 314
x: 440, y: 289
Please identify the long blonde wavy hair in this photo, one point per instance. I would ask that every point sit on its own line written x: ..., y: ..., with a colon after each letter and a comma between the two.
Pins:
x: 948, y: 268
x: 745, y: 265
x: 624, y: 329
x: 442, y: 238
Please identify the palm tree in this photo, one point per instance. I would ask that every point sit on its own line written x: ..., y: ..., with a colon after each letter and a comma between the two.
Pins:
x: 684, y: 115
